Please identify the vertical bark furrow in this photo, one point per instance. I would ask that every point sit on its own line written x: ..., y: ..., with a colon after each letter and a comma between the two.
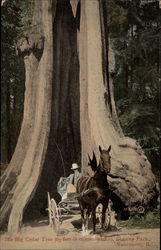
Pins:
x: 85, y: 126
x: 105, y: 48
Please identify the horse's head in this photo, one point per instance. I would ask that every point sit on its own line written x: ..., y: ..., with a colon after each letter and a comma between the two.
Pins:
x: 105, y: 160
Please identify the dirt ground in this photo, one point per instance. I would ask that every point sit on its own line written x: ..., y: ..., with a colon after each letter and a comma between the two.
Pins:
x: 39, y: 235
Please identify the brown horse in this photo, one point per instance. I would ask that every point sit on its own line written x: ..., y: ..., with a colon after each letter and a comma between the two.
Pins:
x: 94, y: 190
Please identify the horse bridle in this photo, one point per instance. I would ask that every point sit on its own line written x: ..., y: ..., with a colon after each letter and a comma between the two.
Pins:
x: 101, y: 164
x: 102, y: 168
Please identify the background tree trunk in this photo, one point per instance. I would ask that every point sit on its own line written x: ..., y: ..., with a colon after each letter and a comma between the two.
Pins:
x: 68, y: 115
x: 8, y: 119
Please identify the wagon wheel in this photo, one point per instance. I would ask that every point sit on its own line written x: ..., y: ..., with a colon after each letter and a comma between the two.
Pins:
x: 49, y: 211
x: 107, y: 218
x: 107, y: 215
x: 99, y: 213
x: 53, y: 214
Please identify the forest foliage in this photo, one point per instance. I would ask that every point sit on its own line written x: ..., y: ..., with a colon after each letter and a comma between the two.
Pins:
x: 134, y: 29
x: 15, y: 18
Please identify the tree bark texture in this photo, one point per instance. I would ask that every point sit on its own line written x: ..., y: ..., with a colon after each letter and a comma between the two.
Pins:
x: 69, y: 111
x: 21, y: 178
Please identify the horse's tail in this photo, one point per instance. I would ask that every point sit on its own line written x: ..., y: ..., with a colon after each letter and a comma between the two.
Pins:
x: 87, y: 192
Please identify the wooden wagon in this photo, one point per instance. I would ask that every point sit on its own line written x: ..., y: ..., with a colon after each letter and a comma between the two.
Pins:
x: 66, y: 207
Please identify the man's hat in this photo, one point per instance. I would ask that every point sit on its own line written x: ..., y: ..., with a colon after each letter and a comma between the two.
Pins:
x: 74, y: 166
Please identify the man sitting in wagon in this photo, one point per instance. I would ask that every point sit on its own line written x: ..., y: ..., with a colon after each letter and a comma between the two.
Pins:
x: 68, y: 184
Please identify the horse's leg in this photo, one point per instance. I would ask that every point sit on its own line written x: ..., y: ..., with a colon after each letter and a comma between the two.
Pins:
x: 94, y: 218
x: 87, y: 218
x: 83, y: 219
x: 82, y: 214
x: 104, y: 214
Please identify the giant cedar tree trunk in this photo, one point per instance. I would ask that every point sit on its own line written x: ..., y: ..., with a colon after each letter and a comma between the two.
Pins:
x: 69, y: 111
x: 131, y: 180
